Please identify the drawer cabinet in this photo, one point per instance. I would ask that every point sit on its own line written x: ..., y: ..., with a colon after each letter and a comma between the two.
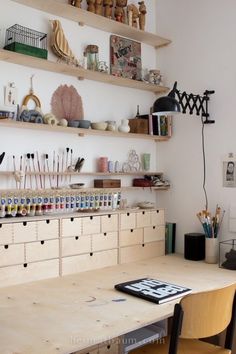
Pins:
x: 154, y: 233
x: 143, y: 218
x: 6, y: 234
x: 37, y: 251
x: 71, y: 227
x: 11, y: 254
x: 109, y: 223
x: 90, y: 261
x: 47, y: 229
x: 157, y: 217
x: 91, y: 225
x: 104, y: 241
x: 131, y: 237
x: 141, y: 252
x: 76, y: 245
x: 127, y: 221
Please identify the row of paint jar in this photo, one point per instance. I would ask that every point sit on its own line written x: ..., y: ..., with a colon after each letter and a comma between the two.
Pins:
x: 23, y: 204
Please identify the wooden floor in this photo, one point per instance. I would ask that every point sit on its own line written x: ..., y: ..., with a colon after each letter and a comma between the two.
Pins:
x: 67, y: 314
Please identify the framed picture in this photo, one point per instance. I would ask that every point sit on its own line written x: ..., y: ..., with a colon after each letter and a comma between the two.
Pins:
x: 125, y: 58
x: 229, y: 173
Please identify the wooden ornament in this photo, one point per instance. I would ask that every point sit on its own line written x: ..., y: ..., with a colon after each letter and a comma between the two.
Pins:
x: 120, y: 11
x: 91, y: 6
x: 108, y: 4
x: 132, y: 9
x: 142, y: 15
x: 98, y: 7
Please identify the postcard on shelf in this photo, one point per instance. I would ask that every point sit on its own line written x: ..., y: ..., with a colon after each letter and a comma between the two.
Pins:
x: 153, y: 290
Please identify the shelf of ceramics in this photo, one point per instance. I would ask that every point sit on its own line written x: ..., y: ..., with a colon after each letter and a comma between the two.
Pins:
x: 84, y: 17
x: 80, y: 73
x: 78, y: 174
x: 79, y: 131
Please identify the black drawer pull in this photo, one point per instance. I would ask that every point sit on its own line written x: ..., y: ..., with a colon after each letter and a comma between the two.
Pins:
x: 0, y: 225
x: 71, y: 219
x: 128, y: 214
x: 6, y: 247
x: 143, y: 212
x: 91, y: 217
x: 42, y: 242
x: 143, y: 245
x: 108, y: 347
x: 109, y: 215
x: 91, y: 254
x: 157, y: 211
x: 76, y: 237
x: 25, y: 265
x: 47, y: 221
x: 132, y: 230
x: 24, y: 223
x: 105, y: 234
x: 154, y: 227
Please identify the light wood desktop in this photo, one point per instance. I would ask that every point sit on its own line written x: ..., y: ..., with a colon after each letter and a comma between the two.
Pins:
x: 69, y: 314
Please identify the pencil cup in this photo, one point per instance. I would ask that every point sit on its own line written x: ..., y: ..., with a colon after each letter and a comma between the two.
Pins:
x: 211, y: 250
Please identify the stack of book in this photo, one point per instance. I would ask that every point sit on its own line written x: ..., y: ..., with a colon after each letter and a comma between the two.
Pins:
x: 170, y: 237
x: 160, y: 125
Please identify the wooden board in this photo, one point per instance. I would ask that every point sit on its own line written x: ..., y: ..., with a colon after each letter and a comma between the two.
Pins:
x: 87, y: 18
x: 67, y: 314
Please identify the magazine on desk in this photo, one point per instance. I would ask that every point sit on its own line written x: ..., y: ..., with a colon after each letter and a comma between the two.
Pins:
x: 153, y: 290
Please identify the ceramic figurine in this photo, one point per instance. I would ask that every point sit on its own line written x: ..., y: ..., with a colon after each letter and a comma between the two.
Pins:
x: 124, y: 126
x: 91, y: 6
x: 76, y: 3
x: 98, y: 7
x: 142, y: 15
x: 120, y: 11
x: 108, y: 4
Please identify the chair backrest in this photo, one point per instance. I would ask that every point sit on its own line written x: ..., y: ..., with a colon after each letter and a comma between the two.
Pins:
x: 207, y: 313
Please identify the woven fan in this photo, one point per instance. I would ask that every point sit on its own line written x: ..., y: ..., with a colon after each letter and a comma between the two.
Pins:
x: 67, y: 103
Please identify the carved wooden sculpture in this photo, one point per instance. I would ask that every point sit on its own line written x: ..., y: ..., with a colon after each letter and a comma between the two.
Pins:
x: 120, y: 11
x: 108, y: 4
x: 142, y: 15
x: 98, y: 7
x: 76, y: 3
x: 133, y: 10
x: 91, y: 6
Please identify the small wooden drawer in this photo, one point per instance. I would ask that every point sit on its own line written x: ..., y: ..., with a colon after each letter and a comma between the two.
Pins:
x: 143, y: 218
x: 109, y: 223
x: 154, y: 233
x: 76, y: 245
x: 71, y: 227
x: 131, y: 237
x: 141, y: 252
x: 11, y: 254
x: 90, y: 261
x: 47, y: 229
x: 104, y: 241
x: 6, y: 234
x: 37, y: 251
x: 127, y: 221
x: 28, y: 272
x: 158, y: 217
x: 109, y: 347
x: 25, y: 232
x: 91, y: 225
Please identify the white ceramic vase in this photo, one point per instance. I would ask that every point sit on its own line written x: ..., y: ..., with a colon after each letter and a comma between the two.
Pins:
x: 211, y: 250
x: 124, y: 126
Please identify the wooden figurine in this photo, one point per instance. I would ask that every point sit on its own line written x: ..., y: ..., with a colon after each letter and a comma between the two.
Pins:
x: 91, y: 6
x: 76, y: 3
x: 133, y: 10
x: 108, y: 4
x: 98, y: 7
x: 120, y: 11
x: 142, y: 15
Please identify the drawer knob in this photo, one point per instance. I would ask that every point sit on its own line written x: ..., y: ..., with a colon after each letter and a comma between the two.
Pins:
x: 91, y: 254
x: 105, y: 234
x: 6, y: 247
x: 91, y: 217
x: 127, y: 214
x: 157, y: 211
x: 132, y: 230
x: 109, y: 215
x: 47, y: 221
x: 25, y: 265
x: 76, y: 237
x: 143, y: 212
x: 24, y: 223
x: 42, y: 242
x: 71, y: 219
x: 154, y: 227
x: 143, y: 245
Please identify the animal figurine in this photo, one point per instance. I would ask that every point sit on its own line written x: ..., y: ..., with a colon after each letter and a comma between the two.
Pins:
x: 108, y: 4
x: 142, y: 15
x: 98, y: 7
x: 91, y: 6
x: 60, y: 45
x: 132, y: 9
x: 76, y: 3
x: 120, y: 11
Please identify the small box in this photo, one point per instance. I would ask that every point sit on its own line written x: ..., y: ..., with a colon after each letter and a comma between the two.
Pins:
x: 194, y: 246
x: 142, y: 182
x: 227, y: 256
x: 138, y: 125
x: 107, y: 183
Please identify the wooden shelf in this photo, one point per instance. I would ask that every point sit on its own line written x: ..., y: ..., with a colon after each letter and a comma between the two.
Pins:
x: 84, y: 17
x: 80, y: 73
x: 78, y: 174
x: 8, y: 123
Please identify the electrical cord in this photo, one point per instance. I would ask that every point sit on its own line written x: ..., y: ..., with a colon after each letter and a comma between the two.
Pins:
x: 204, y: 164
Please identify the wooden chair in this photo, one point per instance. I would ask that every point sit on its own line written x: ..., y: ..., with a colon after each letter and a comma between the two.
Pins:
x: 199, y: 315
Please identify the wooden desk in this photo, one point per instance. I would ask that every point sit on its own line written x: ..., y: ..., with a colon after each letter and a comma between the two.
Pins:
x: 67, y: 314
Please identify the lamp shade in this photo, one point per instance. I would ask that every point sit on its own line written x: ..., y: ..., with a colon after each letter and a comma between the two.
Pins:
x: 166, y: 105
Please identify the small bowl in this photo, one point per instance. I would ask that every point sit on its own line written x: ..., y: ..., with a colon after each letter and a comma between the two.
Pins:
x: 73, y: 123
x: 76, y: 185
x: 85, y: 124
x: 99, y: 126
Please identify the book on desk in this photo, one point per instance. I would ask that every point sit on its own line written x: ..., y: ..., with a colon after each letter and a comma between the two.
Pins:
x: 153, y: 290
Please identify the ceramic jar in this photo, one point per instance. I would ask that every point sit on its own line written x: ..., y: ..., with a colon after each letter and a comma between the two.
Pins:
x: 211, y: 250
x: 124, y: 126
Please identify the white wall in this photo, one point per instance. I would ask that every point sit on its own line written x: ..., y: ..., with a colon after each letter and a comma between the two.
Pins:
x: 201, y: 56
x: 101, y: 101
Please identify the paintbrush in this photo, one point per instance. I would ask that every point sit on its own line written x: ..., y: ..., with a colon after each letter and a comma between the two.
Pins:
x: 36, y: 180
x: 39, y: 169
x: 14, y: 168
x: 71, y: 160
x: 28, y: 162
x: 50, y: 181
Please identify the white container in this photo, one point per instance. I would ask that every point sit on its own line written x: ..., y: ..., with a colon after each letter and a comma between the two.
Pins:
x: 211, y: 250
x: 124, y: 127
